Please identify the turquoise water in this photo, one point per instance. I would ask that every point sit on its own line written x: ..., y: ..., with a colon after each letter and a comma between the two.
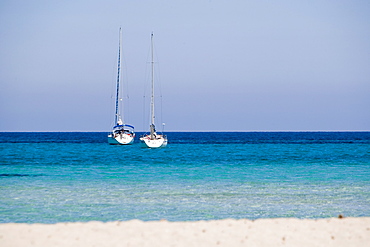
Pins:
x: 60, y: 177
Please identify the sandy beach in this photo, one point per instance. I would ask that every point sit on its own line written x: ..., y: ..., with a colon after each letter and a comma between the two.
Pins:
x: 228, y: 232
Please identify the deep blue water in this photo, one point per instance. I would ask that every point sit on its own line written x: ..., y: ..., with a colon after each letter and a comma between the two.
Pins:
x: 58, y: 177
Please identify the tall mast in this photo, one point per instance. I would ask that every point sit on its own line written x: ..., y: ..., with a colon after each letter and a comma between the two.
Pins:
x: 119, y: 68
x: 152, y: 127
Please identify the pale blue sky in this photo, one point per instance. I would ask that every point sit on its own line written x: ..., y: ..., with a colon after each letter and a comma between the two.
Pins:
x: 223, y: 65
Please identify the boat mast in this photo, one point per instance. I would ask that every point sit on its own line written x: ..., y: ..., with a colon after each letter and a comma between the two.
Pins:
x: 152, y: 126
x: 118, y: 77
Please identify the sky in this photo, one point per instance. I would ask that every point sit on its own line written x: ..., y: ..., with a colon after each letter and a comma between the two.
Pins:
x: 220, y: 65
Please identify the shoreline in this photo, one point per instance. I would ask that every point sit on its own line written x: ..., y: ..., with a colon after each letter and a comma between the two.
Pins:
x: 227, y: 232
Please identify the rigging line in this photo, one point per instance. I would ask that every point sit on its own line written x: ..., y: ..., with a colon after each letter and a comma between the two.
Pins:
x: 124, y: 85
x: 125, y: 101
x: 127, y: 116
x: 144, y: 115
x: 162, y: 113
x: 113, y: 84
x: 146, y: 86
x: 159, y: 83
x: 157, y: 79
x: 152, y: 101
x: 118, y: 76
x: 147, y: 68
x: 157, y: 70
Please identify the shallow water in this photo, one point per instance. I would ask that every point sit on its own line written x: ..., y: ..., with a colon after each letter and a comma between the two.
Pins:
x: 58, y: 177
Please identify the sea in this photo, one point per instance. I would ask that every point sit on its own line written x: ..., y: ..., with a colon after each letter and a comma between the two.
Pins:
x: 50, y: 177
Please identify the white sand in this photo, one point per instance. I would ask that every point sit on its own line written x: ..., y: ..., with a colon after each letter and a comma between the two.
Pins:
x: 262, y: 232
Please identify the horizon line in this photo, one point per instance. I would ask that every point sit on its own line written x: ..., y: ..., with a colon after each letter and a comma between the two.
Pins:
x: 198, y: 131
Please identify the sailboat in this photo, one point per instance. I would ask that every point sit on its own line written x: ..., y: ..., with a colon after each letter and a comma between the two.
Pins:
x: 153, y: 139
x: 121, y: 133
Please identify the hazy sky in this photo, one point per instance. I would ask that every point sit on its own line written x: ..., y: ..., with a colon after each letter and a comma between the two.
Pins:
x: 223, y: 65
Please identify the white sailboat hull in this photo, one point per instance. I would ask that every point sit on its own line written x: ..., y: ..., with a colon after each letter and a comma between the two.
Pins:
x: 158, y: 142
x: 120, y: 139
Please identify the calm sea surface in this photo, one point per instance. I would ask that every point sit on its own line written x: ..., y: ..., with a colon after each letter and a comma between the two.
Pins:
x: 69, y: 177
